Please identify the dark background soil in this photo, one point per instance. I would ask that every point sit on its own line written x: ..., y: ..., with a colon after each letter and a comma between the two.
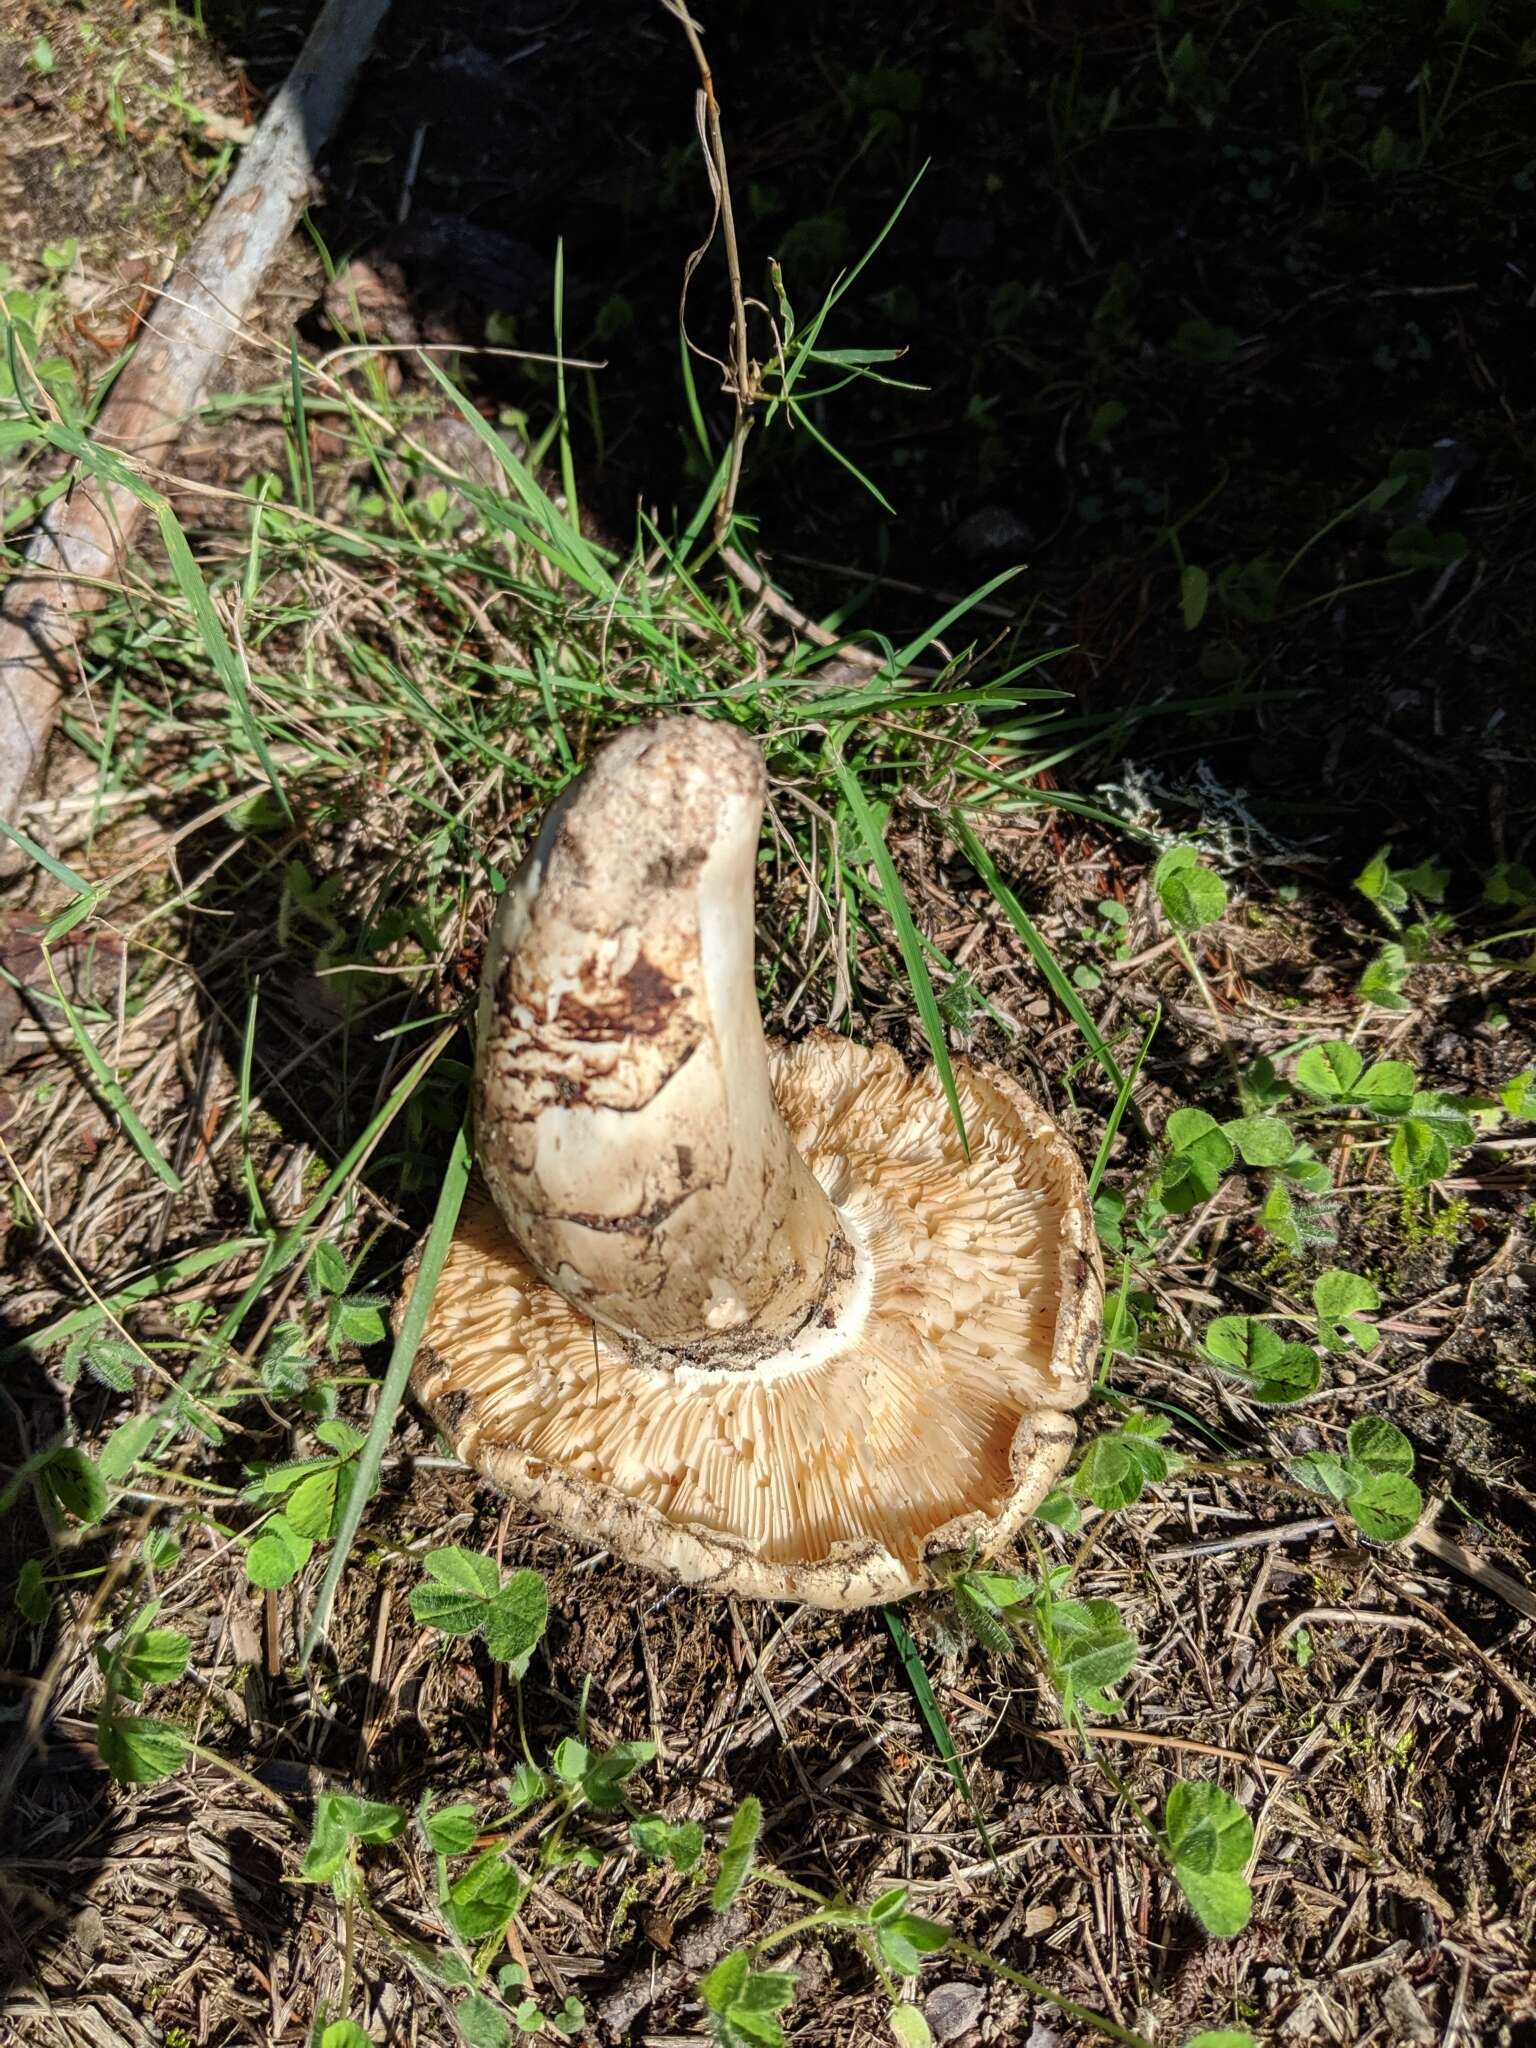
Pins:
x: 1089, y: 190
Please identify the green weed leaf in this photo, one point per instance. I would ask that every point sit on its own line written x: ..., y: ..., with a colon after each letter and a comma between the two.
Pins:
x: 1386, y: 1087
x: 345, y: 2034
x: 981, y: 1617
x: 125, y: 1446
x: 1415, y: 547
x: 1060, y: 1511
x: 150, y: 1656
x: 1109, y: 1207
x: 451, y: 1830
x: 1446, y: 1114
x: 726, y: 1981
x: 516, y: 1621
x: 1386, y: 1506
x: 1210, y: 1840
x: 1276, y: 1372
x: 1191, y: 895
x: 1377, y: 883
x: 1199, y: 1154
x: 138, y: 1750
x: 328, y: 1266
x: 1119, y: 1466
x: 571, y: 1760
x: 909, y: 2028
x: 1377, y: 1445
x: 1261, y: 1140
x: 278, y: 1554
x: 1339, y: 1297
x: 679, y: 1843
x: 481, y: 2023
x: 33, y: 1599
x: 456, y: 1592
x: 484, y: 1899
x: 1122, y: 1330
x: 72, y: 1484
x: 737, y: 1856
x: 1418, y: 1153
x: 342, y: 1818
x: 601, y: 1780
x: 1325, y: 1472
x: 311, y: 1506
x: 1260, y: 1087
x: 904, y: 1940
x: 1385, y: 978
x: 527, y: 1784
x: 1330, y: 1070
x: 742, y: 2002
x: 285, y: 1365
x: 1089, y: 1648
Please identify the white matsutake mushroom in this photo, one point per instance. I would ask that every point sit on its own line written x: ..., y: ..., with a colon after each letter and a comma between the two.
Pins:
x: 747, y: 1315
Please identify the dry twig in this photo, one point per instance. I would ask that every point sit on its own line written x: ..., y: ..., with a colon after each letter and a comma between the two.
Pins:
x: 78, y: 550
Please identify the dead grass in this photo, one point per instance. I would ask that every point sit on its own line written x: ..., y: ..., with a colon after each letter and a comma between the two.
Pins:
x: 1371, y: 1707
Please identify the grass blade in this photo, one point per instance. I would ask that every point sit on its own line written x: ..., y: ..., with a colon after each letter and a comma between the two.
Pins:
x: 112, y: 1303
x: 1039, y: 951
x: 300, y: 424
x: 112, y: 1090
x: 558, y: 539
x: 941, y: 626
x: 59, y: 870
x: 1101, y: 1157
x: 282, y: 1251
x: 228, y: 665
x: 933, y: 1715
x: 562, y: 412
x: 392, y: 1389
x: 893, y: 896
x: 803, y: 419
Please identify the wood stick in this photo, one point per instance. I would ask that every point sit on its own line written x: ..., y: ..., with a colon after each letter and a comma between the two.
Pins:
x: 82, y: 541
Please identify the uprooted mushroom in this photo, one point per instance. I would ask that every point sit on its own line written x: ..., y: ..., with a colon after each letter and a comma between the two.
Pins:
x: 747, y: 1315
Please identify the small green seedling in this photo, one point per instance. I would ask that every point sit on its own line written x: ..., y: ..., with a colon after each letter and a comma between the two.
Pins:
x: 343, y: 1821
x: 463, y: 1595
x: 738, y: 1855
x: 1118, y: 1466
x: 1342, y: 1301
x: 1276, y: 1373
x: 1192, y: 897
x: 1083, y: 1646
x: 1393, y: 891
x: 139, y: 1749
x: 1209, y: 1839
x: 1371, y: 1479
x: 743, y: 2004
x: 314, y: 1493
x: 345, y: 2034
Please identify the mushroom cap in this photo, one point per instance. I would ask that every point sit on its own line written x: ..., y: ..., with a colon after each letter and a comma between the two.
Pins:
x: 928, y: 1416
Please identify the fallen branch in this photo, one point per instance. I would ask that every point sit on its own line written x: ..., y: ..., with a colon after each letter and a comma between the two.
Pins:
x: 78, y: 550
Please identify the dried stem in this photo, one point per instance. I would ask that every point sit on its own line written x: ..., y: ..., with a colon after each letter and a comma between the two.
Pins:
x: 741, y: 379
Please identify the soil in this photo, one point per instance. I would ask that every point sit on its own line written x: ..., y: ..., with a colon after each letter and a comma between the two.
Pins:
x: 1372, y: 1707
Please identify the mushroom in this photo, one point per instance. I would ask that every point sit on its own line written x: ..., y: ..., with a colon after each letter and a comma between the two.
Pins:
x: 747, y: 1315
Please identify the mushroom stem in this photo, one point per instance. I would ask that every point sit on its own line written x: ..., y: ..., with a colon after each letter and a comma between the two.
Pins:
x: 625, y: 1119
